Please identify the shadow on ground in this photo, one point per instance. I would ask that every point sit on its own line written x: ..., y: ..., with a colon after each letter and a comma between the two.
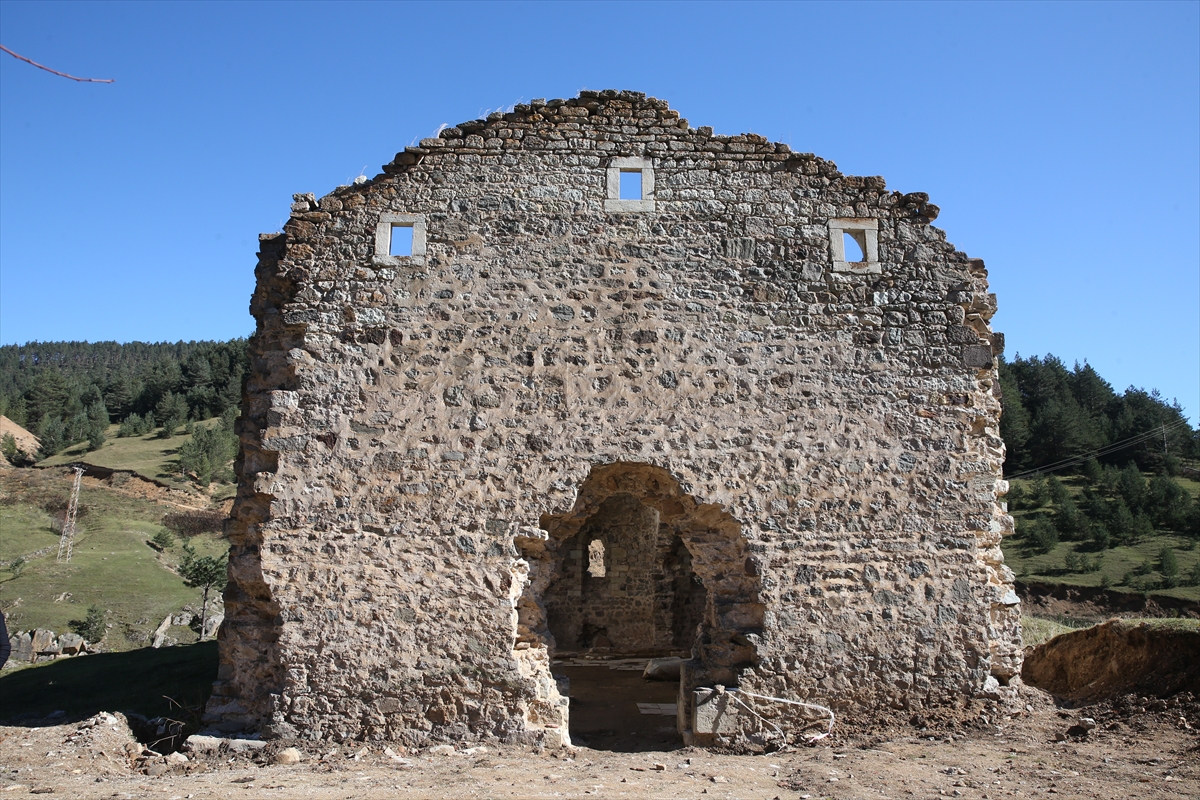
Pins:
x: 170, y: 682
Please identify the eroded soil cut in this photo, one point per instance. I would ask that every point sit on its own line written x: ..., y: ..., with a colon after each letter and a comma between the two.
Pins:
x: 1116, y: 658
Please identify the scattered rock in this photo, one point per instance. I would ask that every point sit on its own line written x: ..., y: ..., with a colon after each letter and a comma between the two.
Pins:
x: 244, y: 745
x: 71, y: 644
x: 203, y: 744
x: 211, y: 624
x: 1082, y: 727
x: 289, y: 755
x: 663, y: 669
x: 160, y: 633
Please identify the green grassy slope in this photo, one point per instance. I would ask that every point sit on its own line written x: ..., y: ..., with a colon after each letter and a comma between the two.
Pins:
x: 147, y: 455
x: 1137, y: 561
x: 113, y: 565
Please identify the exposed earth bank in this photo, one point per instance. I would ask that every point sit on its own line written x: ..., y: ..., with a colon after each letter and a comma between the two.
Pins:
x: 1091, y: 603
x: 1115, y: 658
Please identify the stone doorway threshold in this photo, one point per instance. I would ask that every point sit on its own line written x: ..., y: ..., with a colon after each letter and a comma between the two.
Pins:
x: 614, y: 708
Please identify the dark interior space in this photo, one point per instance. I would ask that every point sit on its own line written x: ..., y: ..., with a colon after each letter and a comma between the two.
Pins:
x: 617, y: 709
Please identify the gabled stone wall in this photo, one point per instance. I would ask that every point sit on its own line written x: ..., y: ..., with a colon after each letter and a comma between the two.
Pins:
x: 424, y: 436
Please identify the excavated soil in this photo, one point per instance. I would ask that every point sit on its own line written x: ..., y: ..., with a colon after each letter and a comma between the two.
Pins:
x: 1094, y: 604
x: 1113, y: 659
x: 1140, y: 748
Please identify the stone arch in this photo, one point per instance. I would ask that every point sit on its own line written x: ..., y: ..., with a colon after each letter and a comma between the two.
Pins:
x: 696, y: 537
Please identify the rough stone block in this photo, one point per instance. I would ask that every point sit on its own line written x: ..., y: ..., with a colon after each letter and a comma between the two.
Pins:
x: 716, y: 714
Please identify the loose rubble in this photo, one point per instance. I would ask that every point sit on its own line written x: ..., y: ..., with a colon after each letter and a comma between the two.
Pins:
x: 1141, y: 747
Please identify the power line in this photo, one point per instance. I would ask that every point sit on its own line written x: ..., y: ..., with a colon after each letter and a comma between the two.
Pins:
x: 1103, y: 451
x: 1079, y: 459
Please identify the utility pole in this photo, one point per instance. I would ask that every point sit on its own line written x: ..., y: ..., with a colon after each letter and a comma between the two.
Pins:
x: 68, y: 531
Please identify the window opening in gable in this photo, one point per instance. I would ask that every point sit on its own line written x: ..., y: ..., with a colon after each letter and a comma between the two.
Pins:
x: 631, y: 184
x: 402, y: 241
x: 596, y: 559
x: 399, y: 240
x: 852, y: 247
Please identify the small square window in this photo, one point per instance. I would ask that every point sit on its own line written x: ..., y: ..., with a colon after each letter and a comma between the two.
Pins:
x: 629, y: 185
x: 852, y: 248
x: 854, y: 245
x: 400, y: 239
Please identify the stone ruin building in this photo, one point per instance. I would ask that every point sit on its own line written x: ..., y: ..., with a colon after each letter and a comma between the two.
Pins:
x: 582, y: 378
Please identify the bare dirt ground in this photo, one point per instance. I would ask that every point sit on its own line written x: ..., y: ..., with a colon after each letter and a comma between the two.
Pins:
x: 1141, y: 748
x: 26, y: 441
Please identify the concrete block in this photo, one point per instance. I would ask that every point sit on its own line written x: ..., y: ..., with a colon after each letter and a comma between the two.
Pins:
x: 715, y: 714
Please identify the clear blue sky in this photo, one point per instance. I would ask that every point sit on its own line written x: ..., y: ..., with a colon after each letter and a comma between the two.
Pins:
x: 1062, y: 141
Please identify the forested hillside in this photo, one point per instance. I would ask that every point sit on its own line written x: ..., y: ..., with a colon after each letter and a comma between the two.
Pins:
x: 1103, y: 484
x: 69, y: 392
x: 1055, y: 419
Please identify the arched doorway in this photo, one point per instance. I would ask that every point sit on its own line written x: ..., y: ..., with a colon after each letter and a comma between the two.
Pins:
x: 639, y: 569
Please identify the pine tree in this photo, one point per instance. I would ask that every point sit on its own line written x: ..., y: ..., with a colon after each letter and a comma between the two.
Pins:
x: 49, y: 396
x: 51, y: 433
x: 96, y: 438
x: 1121, y: 523
x: 1014, y: 420
x: 169, y: 426
x: 1070, y: 521
x: 91, y: 628
x: 203, y: 572
x: 1057, y: 492
x: 1041, y: 535
x: 8, y: 448
x: 171, y: 406
x: 1132, y: 487
x: 1098, y: 533
x: 1168, y: 565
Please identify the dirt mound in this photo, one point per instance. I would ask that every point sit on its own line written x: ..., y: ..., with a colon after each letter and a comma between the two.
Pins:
x: 1116, y: 658
x: 27, y: 443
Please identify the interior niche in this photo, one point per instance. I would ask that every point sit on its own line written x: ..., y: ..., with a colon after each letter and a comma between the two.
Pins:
x: 674, y: 577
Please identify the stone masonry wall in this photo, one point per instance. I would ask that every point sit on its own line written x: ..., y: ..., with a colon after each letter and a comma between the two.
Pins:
x: 423, y: 436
